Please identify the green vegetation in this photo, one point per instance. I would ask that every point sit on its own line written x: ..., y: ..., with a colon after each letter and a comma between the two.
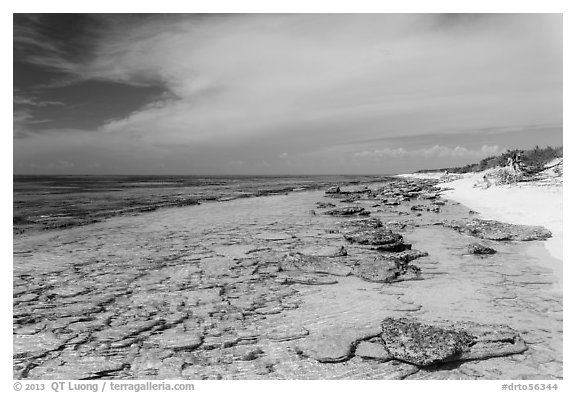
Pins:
x: 532, y: 161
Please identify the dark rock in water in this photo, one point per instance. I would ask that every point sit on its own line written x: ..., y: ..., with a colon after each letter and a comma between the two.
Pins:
x: 374, y: 236
x: 378, y: 270
x: 398, y: 246
x: 345, y: 211
x: 419, y: 208
x: 386, y: 270
x: 325, y: 205
x: 404, y: 256
x: 304, y: 279
x: 423, y: 345
x: 495, y: 230
x: 428, y: 344
x: 314, y: 264
x: 333, y: 190
x: 480, y: 249
x: 353, y: 225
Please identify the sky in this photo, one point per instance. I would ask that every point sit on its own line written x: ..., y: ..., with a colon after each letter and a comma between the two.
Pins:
x: 209, y: 94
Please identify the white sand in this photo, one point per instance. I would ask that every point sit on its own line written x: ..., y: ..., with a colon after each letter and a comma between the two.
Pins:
x: 525, y: 203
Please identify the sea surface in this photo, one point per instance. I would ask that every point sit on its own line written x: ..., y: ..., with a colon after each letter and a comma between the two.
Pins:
x: 53, y: 202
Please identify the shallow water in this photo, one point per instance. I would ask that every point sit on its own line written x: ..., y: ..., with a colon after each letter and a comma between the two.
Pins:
x: 83, y: 291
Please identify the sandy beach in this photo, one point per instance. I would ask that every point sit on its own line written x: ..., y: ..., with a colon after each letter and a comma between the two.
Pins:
x: 298, y: 286
x: 530, y: 203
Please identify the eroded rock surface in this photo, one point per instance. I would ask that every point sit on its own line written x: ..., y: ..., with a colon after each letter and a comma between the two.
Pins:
x: 495, y: 230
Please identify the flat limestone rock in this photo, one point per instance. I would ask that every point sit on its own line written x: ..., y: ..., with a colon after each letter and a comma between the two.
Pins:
x: 404, y: 256
x: 304, y: 279
x: 495, y: 230
x: 324, y: 251
x: 35, y: 344
x: 444, y: 341
x: 423, y: 345
x: 314, y: 264
x: 234, y: 251
x: 371, y: 350
x: 273, y: 236
x: 82, y: 367
x: 386, y: 270
x: 287, y: 333
x: 335, y: 345
x: 178, y: 340
x: 480, y: 249
x: 345, y: 211
x: 217, y: 266
x: 374, y: 237
x: 377, y: 270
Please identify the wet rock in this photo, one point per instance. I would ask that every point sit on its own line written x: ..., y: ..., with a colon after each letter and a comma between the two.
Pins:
x: 495, y: 230
x: 326, y: 251
x: 490, y: 340
x: 252, y: 354
x: 120, y: 332
x: 365, y: 223
x: 385, y: 270
x: 304, y: 279
x: 178, y: 340
x: 427, y: 344
x: 79, y: 367
x: 35, y: 344
x: 287, y: 333
x: 480, y: 249
x: 324, y: 205
x: 345, y: 211
x: 375, y: 237
x: 373, y: 350
x: 314, y: 264
x: 423, y: 345
x: 404, y: 256
x: 334, y: 345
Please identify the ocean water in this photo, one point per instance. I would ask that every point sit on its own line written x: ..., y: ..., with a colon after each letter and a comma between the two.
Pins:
x: 55, y: 202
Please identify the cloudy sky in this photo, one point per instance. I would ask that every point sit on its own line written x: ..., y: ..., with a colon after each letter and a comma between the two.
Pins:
x: 281, y: 93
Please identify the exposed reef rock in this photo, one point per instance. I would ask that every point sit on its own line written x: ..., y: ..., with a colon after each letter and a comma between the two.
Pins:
x: 386, y: 270
x: 428, y: 344
x: 314, y: 264
x: 347, y: 211
x: 495, y: 230
x: 480, y: 249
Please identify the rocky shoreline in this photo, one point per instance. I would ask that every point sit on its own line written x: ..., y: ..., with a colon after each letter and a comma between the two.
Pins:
x: 386, y: 281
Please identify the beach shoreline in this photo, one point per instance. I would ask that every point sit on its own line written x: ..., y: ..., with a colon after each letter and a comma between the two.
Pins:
x: 527, y: 203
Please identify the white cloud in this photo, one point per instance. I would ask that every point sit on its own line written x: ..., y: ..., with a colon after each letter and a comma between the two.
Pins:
x: 244, y: 76
x: 435, y: 151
